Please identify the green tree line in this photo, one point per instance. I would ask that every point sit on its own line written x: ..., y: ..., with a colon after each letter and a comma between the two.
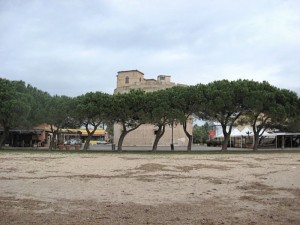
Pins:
x: 229, y: 103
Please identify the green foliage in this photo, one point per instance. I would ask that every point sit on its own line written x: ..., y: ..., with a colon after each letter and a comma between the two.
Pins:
x: 200, y: 133
x: 268, y: 107
x: 92, y: 108
x: 228, y: 102
x: 59, y: 110
x: 38, y: 106
x: 214, y: 143
x: 159, y: 107
x: 14, y: 103
x: 14, y: 106
x: 129, y: 108
x: 223, y: 104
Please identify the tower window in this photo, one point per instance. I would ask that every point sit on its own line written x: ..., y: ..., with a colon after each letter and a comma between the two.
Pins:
x: 126, y: 80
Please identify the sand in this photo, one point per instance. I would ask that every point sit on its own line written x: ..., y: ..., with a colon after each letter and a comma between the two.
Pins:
x: 93, y: 188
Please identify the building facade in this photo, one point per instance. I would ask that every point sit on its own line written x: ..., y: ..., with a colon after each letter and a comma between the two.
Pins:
x: 38, y: 136
x: 145, y: 134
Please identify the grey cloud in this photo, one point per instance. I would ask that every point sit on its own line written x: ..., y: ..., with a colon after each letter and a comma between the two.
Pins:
x: 83, y: 44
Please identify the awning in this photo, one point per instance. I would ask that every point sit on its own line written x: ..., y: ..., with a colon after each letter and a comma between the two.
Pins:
x: 83, y: 132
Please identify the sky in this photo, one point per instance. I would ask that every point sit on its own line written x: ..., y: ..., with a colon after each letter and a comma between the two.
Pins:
x: 71, y: 47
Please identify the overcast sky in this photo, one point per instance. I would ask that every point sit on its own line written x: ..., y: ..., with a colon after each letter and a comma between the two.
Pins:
x: 70, y: 47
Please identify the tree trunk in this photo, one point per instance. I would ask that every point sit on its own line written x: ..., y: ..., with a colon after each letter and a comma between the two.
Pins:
x: 123, y: 134
x: 159, y: 134
x: 87, y: 141
x: 121, y: 139
x: 226, y: 136
x: 228, y: 122
x: 258, y: 131
x: 256, y: 142
x: 190, y: 137
x: 3, y: 136
x: 90, y: 135
x: 189, y: 148
x: 225, y: 143
x: 54, y: 140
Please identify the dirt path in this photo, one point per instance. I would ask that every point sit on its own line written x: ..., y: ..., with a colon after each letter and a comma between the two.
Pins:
x: 56, y: 188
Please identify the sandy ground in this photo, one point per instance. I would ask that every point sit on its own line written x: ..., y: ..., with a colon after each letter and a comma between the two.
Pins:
x: 58, y: 188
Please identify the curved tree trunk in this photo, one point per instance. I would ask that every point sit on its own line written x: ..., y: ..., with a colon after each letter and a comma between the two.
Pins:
x: 257, y: 137
x: 228, y: 122
x: 123, y: 134
x: 121, y: 139
x: 190, y: 137
x: 90, y: 135
x: 258, y: 130
x: 88, y: 140
x: 255, y: 133
x: 158, y: 136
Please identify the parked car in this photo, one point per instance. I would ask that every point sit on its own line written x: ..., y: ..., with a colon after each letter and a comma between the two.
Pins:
x: 101, y: 142
x: 73, y: 142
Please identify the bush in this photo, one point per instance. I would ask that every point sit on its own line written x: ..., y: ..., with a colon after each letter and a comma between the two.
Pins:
x: 213, y: 143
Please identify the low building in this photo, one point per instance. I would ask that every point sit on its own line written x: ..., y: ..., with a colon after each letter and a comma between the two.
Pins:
x: 243, y: 137
x: 38, y: 136
x: 99, y: 135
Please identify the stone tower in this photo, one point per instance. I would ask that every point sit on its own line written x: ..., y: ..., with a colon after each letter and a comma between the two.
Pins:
x: 134, y: 79
x: 145, y: 134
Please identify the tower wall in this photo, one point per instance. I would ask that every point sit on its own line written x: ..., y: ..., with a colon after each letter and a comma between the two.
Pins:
x: 144, y: 135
